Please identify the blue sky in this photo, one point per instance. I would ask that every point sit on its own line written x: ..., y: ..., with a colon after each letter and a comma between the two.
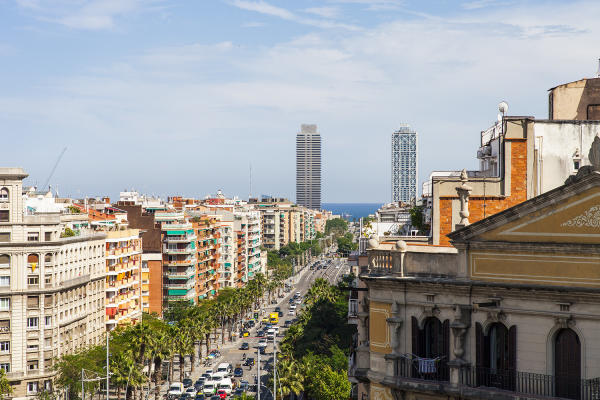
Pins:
x: 179, y: 97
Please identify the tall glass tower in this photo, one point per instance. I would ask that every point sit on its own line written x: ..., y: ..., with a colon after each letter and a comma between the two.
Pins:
x: 308, y: 167
x: 404, y: 164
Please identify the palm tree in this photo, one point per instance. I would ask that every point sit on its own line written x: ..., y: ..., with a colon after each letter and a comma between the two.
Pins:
x: 183, y: 344
x: 291, y: 379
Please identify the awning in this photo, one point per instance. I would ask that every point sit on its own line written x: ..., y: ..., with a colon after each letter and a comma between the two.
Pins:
x: 175, y: 232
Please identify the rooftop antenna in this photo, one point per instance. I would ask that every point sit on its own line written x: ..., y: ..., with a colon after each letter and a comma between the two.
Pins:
x: 250, y: 194
x: 598, y: 72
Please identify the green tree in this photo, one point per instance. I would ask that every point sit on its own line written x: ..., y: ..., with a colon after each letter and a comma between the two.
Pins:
x: 417, y: 219
x: 5, y: 387
x: 326, y: 384
x: 336, y: 226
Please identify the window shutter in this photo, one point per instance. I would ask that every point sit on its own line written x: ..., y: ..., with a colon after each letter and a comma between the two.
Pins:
x: 512, y: 348
x: 479, y: 339
x: 415, y: 336
x: 446, y: 343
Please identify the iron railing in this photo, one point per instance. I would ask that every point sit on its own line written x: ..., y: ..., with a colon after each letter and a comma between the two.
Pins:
x: 411, y: 368
x: 567, y: 387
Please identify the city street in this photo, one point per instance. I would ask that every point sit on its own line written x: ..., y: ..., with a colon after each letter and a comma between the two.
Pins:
x: 333, y: 269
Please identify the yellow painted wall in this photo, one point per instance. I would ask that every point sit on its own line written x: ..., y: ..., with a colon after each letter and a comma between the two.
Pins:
x: 536, y: 268
x: 379, y: 336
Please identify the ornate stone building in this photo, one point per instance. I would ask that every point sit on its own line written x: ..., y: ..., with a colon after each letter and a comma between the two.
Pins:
x: 52, y: 271
x: 510, y: 312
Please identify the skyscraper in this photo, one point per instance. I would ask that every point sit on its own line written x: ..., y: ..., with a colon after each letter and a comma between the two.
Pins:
x: 404, y: 164
x: 308, y: 167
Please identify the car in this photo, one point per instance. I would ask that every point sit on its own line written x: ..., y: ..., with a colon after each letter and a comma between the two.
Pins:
x: 260, y: 333
x: 280, y: 314
x: 298, y: 300
x: 292, y: 312
x: 187, y: 382
x: 287, y: 324
x: 199, y: 396
x: 176, y: 389
x: 244, y: 385
x: 293, y: 307
x: 191, y: 391
x: 249, y: 362
x: 185, y: 396
x: 245, y: 333
x: 210, y: 388
x: 206, y: 375
x: 268, y: 326
x: 200, y: 380
x: 297, y: 293
x: 198, y: 386
x: 263, y: 350
x: 222, y: 394
x: 277, y: 309
x: 238, y: 392
x: 262, y: 343
x: 238, y: 372
x: 245, y: 346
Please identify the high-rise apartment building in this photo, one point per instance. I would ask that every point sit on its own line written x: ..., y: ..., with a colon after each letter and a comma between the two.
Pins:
x: 404, y: 164
x: 308, y: 167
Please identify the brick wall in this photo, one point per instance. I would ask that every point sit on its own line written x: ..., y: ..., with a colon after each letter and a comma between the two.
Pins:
x: 480, y: 206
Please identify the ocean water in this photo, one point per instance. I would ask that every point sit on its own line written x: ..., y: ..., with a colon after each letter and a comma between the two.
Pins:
x: 351, y: 211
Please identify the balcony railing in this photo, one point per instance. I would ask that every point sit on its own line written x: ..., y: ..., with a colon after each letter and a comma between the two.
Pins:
x: 527, y: 383
x: 415, y: 369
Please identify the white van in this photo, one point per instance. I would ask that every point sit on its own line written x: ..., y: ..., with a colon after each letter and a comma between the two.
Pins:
x: 176, y: 389
x: 219, y: 376
x: 210, y: 388
x: 226, y: 385
x: 225, y: 367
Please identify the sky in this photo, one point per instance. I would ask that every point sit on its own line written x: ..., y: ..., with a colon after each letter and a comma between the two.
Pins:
x: 181, y: 97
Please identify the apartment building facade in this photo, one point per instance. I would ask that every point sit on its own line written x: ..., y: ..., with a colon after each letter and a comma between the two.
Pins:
x: 52, y: 294
x: 308, y: 167
x: 123, y: 277
x: 404, y: 165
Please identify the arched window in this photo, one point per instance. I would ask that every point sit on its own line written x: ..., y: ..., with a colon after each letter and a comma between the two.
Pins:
x: 496, y: 356
x: 3, y: 195
x: 431, y: 342
x: 567, y: 364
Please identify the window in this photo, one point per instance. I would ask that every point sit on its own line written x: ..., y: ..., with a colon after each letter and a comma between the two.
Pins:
x: 4, y: 280
x: 32, y: 347
x: 496, y: 356
x: 33, y: 302
x: 432, y: 341
x: 4, y: 261
x: 4, y: 347
x: 567, y: 364
x: 48, y: 320
x: 5, y: 367
x: 4, y: 215
x: 32, y: 365
x: 32, y: 387
x: 33, y: 280
x: 5, y: 304
x: 48, y: 236
x: 5, y: 237
x: 32, y: 322
x: 3, y: 195
x: 33, y: 236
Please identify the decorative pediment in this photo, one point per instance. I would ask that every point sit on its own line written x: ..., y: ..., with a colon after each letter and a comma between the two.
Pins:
x: 590, y: 218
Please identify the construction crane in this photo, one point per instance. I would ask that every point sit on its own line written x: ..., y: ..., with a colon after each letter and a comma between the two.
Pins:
x: 54, y: 168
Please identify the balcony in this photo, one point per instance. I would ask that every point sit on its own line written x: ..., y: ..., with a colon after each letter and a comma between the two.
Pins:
x: 180, y: 238
x: 180, y: 274
x: 178, y: 250
x: 175, y: 263
x: 525, y: 384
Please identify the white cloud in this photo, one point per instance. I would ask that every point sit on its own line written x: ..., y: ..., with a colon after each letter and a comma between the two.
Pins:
x: 252, y: 24
x: 325, y: 12
x: 263, y: 7
x: 90, y: 15
x: 218, y: 106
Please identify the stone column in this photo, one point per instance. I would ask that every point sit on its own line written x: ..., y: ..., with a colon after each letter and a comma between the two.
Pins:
x: 394, y: 325
x: 459, y: 326
x: 398, y: 257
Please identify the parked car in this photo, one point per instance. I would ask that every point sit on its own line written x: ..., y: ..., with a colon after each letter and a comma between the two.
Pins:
x: 176, y: 389
x: 292, y: 307
x: 238, y: 372
x: 222, y: 394
x: 260, y: 333
x: 199, y: 396
x: 191, y: 391
x: 245, y: 346
x: 185, y: 396
x: 287, y: 324
x: 262, y: 343
x: 280, y: 314
x: 277, y: 309
x: 244, y: 385
x: 187, y: 382
x: 292, y: 312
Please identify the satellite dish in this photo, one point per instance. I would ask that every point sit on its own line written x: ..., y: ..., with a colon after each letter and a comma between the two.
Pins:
x: 503, y: 107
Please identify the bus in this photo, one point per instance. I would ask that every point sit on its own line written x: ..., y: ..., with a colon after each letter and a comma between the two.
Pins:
x: 274, y: 317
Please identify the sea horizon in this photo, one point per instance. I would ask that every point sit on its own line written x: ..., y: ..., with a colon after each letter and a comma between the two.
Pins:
x: 351, y: 211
